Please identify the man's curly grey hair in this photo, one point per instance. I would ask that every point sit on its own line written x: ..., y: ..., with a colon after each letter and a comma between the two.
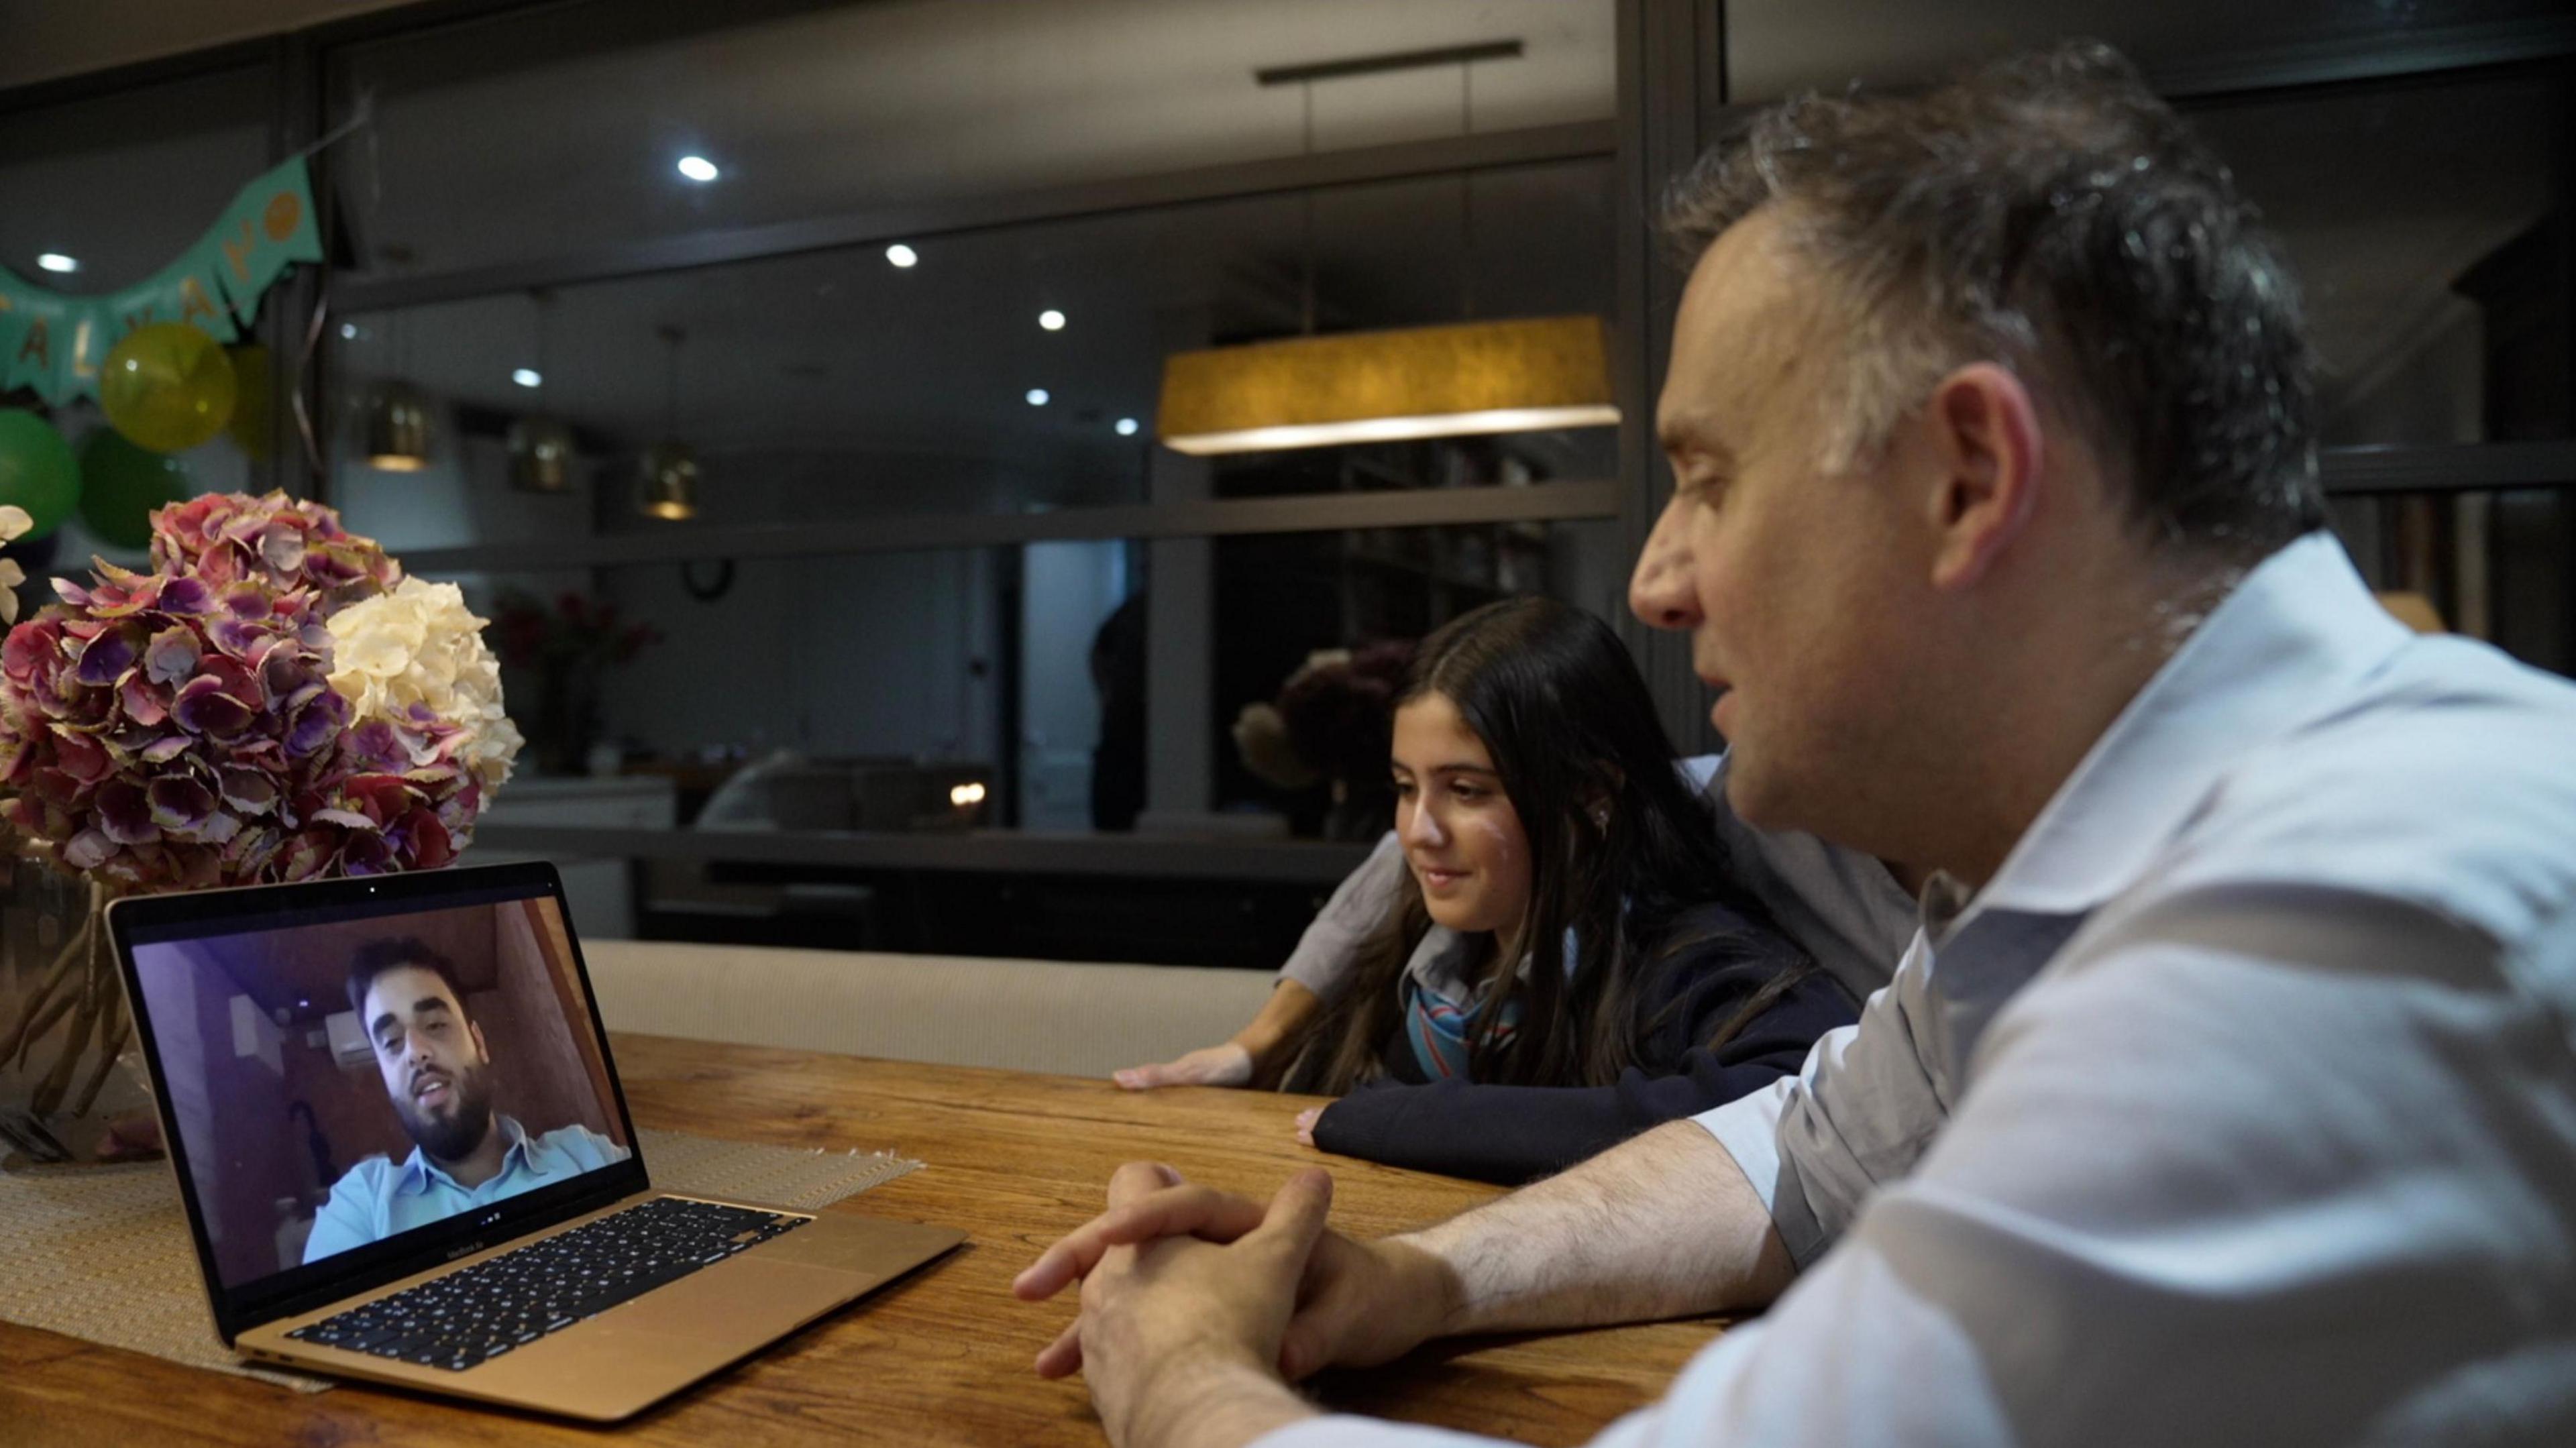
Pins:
x: 2049, y: 213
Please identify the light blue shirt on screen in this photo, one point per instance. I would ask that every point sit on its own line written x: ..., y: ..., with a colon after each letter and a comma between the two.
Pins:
x: 377, y: 1199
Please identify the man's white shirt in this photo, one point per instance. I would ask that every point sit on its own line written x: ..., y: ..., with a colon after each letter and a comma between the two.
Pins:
x: 2239, y: 1107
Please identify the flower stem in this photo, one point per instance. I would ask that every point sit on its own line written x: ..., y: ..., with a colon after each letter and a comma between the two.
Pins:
x: 113, y: 1026
x: 24, y: 1028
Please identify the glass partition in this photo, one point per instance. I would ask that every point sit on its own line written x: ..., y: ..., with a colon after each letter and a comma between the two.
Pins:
x: 1009, y: 370
x: 1029, y: 672
x: 2425, y: 221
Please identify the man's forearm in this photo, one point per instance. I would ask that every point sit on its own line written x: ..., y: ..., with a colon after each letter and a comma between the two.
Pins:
x: 1663, y: 1225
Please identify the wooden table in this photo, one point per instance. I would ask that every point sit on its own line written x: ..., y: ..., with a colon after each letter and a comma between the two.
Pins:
x: 943, y: 1357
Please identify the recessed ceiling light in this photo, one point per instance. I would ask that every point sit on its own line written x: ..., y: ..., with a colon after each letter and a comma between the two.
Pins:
x: 1037, y: 397
x: 698, y: 168
x: 1126, y: 427
x: 1051, y: 319
x: 55, y: 261
x: 526, y: 377
x: 348, y: 331
x: 902, y: 255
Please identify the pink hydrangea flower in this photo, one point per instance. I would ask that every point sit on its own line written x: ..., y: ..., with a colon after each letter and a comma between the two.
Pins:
x: 177, y: 729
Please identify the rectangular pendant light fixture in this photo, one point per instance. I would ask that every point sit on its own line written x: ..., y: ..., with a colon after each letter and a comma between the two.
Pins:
x: 1519, y: 375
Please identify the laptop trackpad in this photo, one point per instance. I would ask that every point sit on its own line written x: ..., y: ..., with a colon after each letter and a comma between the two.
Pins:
x: 625, y: 1358
x: 738, y: 1304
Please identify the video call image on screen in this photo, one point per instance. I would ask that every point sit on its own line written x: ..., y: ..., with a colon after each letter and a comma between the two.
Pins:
x: 337, y: 1084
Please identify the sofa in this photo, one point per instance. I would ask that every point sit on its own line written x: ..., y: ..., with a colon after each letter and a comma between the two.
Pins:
x: 1062, y: 1017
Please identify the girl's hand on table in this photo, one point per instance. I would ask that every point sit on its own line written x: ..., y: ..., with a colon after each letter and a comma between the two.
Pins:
x: 1228, y: 1064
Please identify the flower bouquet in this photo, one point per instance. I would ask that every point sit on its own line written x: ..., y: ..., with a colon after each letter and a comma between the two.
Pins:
x: 273, y: 701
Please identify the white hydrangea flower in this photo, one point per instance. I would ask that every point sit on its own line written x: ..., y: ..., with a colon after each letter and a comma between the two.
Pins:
x: 14, y: 522
x: 419, y: 644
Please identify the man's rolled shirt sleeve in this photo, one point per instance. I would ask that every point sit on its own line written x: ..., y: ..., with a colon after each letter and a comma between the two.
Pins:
x: 1749, y: 1128
x: 2155, y: 1184
x: 1859, y: 1113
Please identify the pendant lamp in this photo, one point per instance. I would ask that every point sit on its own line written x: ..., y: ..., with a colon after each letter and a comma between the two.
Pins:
x: 541, y: 455
x: 541, y: 447
x: 1514, y: 375
x: 394, y: 435
x: 397, y: 431
x: 1518, y: 374
x: 667, y: 483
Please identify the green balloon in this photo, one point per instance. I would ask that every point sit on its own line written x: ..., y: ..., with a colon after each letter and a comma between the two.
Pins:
x: 121, y: 484
x: 36, y: 470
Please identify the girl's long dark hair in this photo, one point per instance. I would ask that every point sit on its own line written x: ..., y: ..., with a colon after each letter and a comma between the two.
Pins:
x: 1560, y: 707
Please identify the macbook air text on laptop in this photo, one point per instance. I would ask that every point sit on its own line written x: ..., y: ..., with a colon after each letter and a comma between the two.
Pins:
x: 406, y: 1156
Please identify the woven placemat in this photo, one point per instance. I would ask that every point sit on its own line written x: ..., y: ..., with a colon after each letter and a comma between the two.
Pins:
x: 103, y: 1253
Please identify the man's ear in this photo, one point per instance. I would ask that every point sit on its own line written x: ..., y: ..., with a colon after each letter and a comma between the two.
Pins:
x: 1985, y: 439
x: 482, y: 1052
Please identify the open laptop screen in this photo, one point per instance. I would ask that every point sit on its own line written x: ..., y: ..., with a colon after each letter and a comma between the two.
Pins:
x: 350, y: 1074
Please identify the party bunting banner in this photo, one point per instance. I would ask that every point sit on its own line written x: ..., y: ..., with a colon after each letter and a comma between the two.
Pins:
x: 55, y: 343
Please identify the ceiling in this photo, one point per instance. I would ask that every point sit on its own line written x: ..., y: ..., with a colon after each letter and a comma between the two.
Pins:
x: 44, y: 41
x: 1776, y: 48
x: 529, y: 136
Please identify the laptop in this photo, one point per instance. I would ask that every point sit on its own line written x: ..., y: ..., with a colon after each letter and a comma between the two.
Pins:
x: 406, y: 1157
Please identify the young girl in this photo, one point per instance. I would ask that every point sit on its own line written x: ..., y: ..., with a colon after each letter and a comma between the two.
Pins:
x: 1566, y: 962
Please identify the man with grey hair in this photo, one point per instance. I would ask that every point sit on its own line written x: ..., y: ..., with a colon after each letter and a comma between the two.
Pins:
x: 2228, y: 1092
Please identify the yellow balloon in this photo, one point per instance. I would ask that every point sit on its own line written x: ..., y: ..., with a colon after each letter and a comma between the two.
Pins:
x: 167, y: 387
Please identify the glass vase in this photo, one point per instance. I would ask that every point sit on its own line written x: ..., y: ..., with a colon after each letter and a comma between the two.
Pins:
x: 73, y: 1087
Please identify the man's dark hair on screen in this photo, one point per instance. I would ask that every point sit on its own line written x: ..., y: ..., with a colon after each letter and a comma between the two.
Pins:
x: 399, y: 953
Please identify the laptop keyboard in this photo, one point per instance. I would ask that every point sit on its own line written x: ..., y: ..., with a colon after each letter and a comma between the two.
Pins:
x: 478, y: 1313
